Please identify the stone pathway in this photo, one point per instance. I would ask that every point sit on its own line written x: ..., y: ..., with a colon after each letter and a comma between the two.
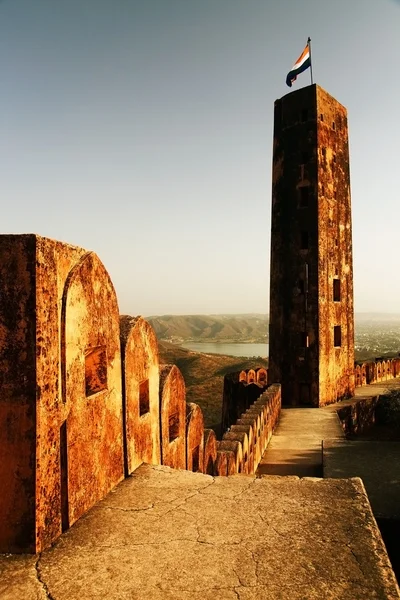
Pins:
x: 175, y: 535
x: 296, y: 446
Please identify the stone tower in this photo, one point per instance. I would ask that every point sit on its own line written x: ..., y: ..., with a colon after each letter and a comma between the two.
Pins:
x: 311, y: 341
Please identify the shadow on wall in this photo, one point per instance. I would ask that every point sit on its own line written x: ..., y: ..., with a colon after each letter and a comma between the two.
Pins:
x: 84, y: 400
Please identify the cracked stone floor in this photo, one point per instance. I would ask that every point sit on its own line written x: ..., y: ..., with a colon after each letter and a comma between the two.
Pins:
x: 176, y: 535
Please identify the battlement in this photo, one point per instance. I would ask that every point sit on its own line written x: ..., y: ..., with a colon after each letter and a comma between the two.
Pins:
x: 84, y: 400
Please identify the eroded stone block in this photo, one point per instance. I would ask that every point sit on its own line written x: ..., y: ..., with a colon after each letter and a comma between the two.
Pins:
x: 210, y: 451
x: 140, y: 364
x: 173, y: 416
x: 194, y: 438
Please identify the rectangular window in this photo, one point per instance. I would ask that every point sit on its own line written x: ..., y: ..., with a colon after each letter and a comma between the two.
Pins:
x: 95, y: 370
x: 173, y: 427
x: 337, y: 336
x: 333, y: 125
x: 304, y: 240
x: 304, y: 343
x: 304, y: 191
x: 321, y: 117
x: 144, y: 397
x: 336, y: 290
x: 324, y: 152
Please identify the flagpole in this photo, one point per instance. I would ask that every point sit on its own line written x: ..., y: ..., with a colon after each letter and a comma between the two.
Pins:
x: 309, y: 48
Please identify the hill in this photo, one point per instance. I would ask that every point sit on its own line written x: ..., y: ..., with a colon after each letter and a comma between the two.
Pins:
x: 204, y: 377
x: 212, y: 328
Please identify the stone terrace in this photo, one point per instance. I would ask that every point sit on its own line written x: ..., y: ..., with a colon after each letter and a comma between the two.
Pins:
x: 175, y: 535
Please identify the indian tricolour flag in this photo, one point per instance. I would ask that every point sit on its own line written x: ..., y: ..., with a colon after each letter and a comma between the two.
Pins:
x: 301, y: 64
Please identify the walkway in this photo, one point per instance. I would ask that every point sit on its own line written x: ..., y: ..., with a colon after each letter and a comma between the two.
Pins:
x: 296, y: 446
x: 175, y: 535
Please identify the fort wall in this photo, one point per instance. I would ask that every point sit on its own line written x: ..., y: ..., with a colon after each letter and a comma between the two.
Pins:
x: 84, y: 400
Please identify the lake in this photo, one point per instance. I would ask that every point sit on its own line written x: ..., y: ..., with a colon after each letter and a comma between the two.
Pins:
x: 247, y: 350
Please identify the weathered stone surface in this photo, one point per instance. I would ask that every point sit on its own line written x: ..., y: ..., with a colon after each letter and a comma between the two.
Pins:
x: 210, y: 451
x: 236, y: 448
x: 141, y: 378
x: 173, y: 417
x: 180, y: 535
x: 93, y: 390
x: 243, y: 439
x: 194, y: 438
x: 60, y: 381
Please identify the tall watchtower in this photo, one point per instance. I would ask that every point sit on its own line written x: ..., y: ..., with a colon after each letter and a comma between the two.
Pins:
x: 311, y: 340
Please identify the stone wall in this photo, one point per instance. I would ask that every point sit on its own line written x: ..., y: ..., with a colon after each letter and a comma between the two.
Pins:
x: 358, y: 417
x: 84, y: 400
x: 241, y: 389
x: 376, y: 371
x: 246, y: 441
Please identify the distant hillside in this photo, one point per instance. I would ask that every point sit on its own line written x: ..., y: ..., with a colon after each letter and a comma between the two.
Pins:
x: 376, y: 334
x: 215, y: 328
x: 204, y: 376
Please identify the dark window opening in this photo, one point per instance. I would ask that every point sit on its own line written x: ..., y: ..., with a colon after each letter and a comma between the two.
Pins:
x: 336, y: 290
x: 304, y: 193
x: 334, y: 158
x: 195, y: 459
x: 321, y: 117
x: 304, y: 342
x: 324, y: 152
x: 304, y: 240
x: 304, y: 115
x: 173, y: 427
x: 337, y: 336
x: 95, y: 370
x: 144, y: 397
x: 336, y: 242
x: 334, y: 194
x: 333, y: 125
x: 323, y: 189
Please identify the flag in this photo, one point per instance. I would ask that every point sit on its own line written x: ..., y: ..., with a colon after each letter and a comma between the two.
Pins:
x: 301, y: 64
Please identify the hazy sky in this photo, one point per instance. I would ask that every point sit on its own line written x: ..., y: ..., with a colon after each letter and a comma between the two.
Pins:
x: 142, y: 130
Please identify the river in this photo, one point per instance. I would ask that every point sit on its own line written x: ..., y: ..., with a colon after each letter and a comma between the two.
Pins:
x: 248, y: 350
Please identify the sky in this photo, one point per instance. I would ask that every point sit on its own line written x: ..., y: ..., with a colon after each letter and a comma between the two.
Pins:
x: 142, y: 130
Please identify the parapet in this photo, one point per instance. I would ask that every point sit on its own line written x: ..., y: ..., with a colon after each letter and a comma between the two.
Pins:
x: 60, y: 384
